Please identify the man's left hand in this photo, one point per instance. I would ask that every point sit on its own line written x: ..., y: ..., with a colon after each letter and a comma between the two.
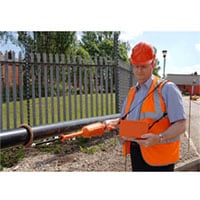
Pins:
x: 148, y: 140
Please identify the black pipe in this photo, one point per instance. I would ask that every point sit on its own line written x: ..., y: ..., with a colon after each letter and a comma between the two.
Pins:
x: 21, y: 136
x: 13, y: 137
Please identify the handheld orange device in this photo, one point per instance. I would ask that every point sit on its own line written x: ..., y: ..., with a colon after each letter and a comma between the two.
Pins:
x: 133, y: 128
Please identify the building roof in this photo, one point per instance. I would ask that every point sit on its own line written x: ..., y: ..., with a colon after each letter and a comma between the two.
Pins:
x: 1, y: 56
x: 184, y: 79
x: 8, y: 56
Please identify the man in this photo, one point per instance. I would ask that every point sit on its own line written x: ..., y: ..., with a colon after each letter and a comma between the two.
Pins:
x: 159, y: 103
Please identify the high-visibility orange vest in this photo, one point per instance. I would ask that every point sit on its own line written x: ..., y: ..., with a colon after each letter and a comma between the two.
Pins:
x: 159, y: 154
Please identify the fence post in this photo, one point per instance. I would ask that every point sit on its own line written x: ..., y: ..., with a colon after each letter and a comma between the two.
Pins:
x: 1, y: 98
x: 116, y: 53
x: 27, y: 76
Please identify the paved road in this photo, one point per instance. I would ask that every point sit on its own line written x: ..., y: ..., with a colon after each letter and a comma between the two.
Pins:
x: 192, y: 109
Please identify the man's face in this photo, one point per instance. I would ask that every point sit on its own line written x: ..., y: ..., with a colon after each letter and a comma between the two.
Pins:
x: 143, y: 72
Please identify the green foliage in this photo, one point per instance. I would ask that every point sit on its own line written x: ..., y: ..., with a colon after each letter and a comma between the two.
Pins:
x: 124, y: 47
x: 11, y: 156
x: 80, y: 108
x: 92, y: 43
x: 5, y: 36
x: 156, y: 70
x: 81, y: 140
x: 102, y: 146
x: 101, y: 44
x: 88, y: 150
x: 80, y: 51
x: 56, y: 149
x: 157, y: 67
x: 113, y: 142
x: 49, y: 41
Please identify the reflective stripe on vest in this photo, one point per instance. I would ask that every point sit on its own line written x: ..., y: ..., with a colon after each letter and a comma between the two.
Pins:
x: 153, y: 107
x: 154, y: 110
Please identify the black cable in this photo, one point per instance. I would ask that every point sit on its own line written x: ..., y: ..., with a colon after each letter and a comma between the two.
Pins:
x: 164, y: 114
x: 123, y: 117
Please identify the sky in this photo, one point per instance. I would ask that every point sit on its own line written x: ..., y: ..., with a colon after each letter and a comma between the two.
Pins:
x: 172, y: 25
x: 183, y: 48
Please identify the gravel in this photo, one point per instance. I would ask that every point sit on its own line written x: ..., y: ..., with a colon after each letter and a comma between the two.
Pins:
x: 103, y: 154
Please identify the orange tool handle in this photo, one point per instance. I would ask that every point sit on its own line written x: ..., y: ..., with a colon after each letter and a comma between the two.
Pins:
x: 66, y: 137
x: 92, y: 130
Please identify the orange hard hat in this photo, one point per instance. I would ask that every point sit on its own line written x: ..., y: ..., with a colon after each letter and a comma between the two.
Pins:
x: 142, y: 53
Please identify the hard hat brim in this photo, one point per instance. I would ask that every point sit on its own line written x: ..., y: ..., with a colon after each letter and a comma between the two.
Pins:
x: 142, y: 63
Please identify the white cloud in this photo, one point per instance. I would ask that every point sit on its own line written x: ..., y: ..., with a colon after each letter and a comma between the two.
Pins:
x: 129, y: 35
x: 184, y: 69
x: 197, y: 46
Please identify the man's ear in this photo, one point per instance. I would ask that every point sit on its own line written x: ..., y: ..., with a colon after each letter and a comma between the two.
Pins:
x: 154, y: 63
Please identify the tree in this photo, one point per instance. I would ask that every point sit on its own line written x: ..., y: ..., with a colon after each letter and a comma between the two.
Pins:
x: 50, y: 41
x: 102, y: 44
x: 89, y: 42
x: 157, y: 67
x: 5, y: 36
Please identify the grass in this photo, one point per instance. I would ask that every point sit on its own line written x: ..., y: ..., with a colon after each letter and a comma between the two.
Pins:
x: 10, y: 157
x: 88, y: 150
x: 45, y: 115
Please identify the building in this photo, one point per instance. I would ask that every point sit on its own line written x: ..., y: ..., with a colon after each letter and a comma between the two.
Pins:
x: 187, y: 83
x: 9, y: 68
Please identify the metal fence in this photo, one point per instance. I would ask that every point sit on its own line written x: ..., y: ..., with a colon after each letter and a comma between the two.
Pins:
x: 60, y: 88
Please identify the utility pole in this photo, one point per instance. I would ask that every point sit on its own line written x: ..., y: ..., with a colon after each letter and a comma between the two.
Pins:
x: 164, y: 63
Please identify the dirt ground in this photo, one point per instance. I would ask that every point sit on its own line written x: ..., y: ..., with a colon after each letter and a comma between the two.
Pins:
x: 102, y: 154
x: 98, y: 154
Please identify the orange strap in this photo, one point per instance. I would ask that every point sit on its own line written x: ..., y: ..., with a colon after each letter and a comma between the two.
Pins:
x: 130, y: 97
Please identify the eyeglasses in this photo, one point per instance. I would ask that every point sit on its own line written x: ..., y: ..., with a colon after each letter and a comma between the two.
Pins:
x: 143, y: 67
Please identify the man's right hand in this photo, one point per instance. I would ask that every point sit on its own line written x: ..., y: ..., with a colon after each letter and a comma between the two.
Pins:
x: 112, y: 122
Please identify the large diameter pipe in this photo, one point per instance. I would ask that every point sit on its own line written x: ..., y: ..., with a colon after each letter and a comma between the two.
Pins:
x: 13, y: 137
x: 21, y: 136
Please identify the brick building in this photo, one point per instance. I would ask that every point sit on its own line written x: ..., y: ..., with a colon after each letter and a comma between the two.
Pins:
x: 8, y: 66
x: 187, y: 83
